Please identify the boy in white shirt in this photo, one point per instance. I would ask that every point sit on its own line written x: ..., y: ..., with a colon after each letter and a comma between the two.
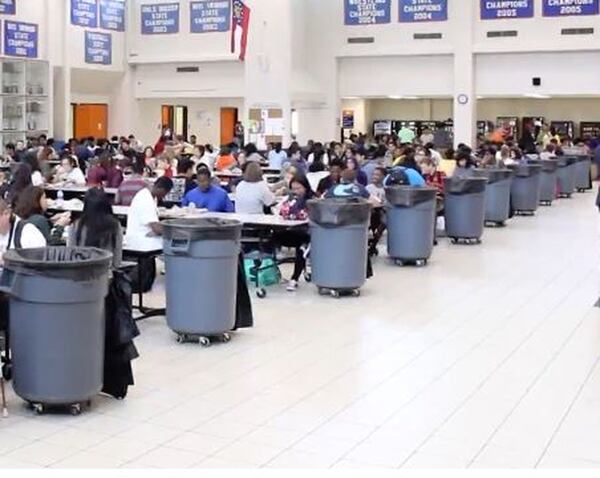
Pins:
x: 142, y: 219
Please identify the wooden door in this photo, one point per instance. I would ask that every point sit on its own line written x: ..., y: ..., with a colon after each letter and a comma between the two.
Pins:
x: 166, y: 116
x: 90, y: 120
x: 229, y: 118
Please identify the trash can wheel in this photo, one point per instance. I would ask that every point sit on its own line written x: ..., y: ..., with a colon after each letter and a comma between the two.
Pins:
x: 261, y: 293
x: 399, y: 262
x: 308, y: 277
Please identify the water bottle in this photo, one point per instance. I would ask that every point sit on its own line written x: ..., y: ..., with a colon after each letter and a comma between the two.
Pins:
x: 60, y: 198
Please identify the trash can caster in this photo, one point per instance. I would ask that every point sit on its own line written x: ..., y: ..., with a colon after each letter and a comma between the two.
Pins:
x: 566, y: 176
x: 525, y: 189
x: 410, y: 224
x: 201, y: 261
x: 583, y: 168
x: 464, y: 208
x: 57, y: 324
x: 497, y: 195
x: 548, y: 181
x: 339, y: 242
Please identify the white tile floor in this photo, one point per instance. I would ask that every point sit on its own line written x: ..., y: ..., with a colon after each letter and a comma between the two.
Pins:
x: 489, y: 357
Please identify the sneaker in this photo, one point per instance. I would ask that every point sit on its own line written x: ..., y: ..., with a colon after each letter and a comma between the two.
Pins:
x: 292, y: 286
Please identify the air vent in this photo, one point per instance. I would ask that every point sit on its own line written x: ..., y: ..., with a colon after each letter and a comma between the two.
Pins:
x: 355, y: 40
x: 577, y: 31
x: 188, y: 69
x: 502, y: 33
x: 427, y: 36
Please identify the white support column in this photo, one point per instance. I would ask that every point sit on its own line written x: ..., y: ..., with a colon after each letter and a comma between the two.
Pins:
x: 268, y: 68
x: 465, y: 99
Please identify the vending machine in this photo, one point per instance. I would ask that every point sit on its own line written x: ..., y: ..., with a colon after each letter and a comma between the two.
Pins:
x: 382, y: 127
x: 534, y: 123
x: 589, y: 129
x: 510, y: 125
x: 563, y: 128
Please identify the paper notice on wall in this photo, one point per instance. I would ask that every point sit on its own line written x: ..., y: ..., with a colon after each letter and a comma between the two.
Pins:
x: 274, y: 127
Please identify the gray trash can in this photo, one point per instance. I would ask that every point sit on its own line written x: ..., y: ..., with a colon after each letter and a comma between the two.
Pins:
x: 525, y: 189
x: 339, y: 230
x: 201, y: 262
x: 57, y: 323
x: 548, y: 181
x: 497, y: 194
x: 566, y: 176
x: 464, y: 209
x: 410, y: 223
x: 583, y: 173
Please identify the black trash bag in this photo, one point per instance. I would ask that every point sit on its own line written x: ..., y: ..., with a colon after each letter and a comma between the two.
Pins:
x: 121, y: 329
x: 564, y: 161
x: 339, y: 212
x: 244, y: 317
x: 493, y: 175
x: 408, y: 196
x: 80, y: 264
x: 143, y: 275
x: 460, y: 186
x: 526, y: 170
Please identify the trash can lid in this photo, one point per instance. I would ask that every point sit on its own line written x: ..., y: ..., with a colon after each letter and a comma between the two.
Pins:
x: 564, y: 161
x: 493, y: 175
x: 339, y: 212
x: 406, y: 196
x: 74, y: 263
x: 465, y: 185
x: 549, y: 165
x: 202, y: 228
x: 526, y: 170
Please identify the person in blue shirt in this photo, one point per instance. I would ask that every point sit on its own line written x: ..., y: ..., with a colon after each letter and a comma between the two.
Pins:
x: 399, y: 175
x: 207, y: 195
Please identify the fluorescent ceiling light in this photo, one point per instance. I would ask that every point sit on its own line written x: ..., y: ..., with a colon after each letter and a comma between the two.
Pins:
x: 396, y: 97
x: 350, y: 98
x: 536, y: 95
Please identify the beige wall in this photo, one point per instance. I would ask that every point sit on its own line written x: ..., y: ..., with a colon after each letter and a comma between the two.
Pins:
x: 204, y: 117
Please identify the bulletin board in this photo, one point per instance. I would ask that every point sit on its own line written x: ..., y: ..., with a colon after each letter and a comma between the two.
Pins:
x: 265, y: 125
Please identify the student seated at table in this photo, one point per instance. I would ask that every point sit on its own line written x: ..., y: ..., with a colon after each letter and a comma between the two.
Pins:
x: 70, y: 172
x: 464, y: 166
x: 132, y: 185
x: 335, y: 175
x: 98, y: 226
x: 105, y: 173
x: 183, y: 182
x: 142, y: 219
x: 32, y: 206
x: 20, y: 181
x: 225, y: 161
x: 31, y: 158
x: 295, y: 208
x: 252, y: 194
x: 17, y: 234
x: 207, y: 195
x: 277, y: 157
x: 353, y: 163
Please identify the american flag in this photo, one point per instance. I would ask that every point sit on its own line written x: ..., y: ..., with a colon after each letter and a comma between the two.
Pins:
x: 240, y: 18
